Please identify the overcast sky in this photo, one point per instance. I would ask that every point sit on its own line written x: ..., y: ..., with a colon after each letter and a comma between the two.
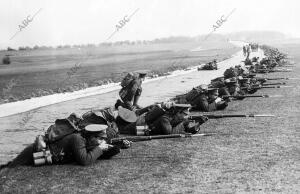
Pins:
x: 93, y: 21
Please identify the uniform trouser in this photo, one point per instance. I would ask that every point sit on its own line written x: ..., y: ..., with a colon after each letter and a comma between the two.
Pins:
x: 136, y: 98
x: 129, y: 105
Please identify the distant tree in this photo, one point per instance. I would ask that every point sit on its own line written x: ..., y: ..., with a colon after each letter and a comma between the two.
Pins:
x: 36, y: 47
x: 66, y: 46
x: 21, y: 48
x: 6, y: 60
x: 10, y: 49
x: 45, y: 47
x: 76, y: 46
x: 91, y: 45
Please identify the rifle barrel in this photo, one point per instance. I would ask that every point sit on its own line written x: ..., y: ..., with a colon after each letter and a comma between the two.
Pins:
x: 277, y: 78
x: 271, y: 84
x: 246, y: 96
x: 148, y: 138
x: 217, y: 116
x: 268, y: 87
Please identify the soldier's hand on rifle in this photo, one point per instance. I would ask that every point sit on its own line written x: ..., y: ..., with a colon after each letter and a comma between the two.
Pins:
x: 226, y: 98
x: 126, y: 144
x: 167, y: 105
x: 199, y: 119
x: 123, y: 144
x: 217, y: 100
x: 103, y: 145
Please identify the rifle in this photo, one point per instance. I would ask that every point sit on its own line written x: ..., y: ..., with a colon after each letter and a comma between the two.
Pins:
x: 217, y: 116
x: 271, y: 84
x: 259, y: 87
x: 249, y: 96
x: 274, y: 70
x: 149, y: 138
x: 279, y: 78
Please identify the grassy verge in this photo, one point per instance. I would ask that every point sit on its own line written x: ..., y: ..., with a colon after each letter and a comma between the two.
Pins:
x: 69, y: 71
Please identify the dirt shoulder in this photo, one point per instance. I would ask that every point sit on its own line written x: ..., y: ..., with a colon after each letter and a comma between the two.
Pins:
x: 247, y: 155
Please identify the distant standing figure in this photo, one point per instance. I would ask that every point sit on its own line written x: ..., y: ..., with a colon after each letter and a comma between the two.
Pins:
x: 244, y: 50
x: 248, y: 51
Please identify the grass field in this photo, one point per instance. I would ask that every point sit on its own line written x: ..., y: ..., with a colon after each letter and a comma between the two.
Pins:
x: 247, y: 155
x: 43, y: 72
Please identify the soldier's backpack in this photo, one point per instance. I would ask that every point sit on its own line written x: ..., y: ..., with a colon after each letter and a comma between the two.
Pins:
x: 62, y: 128
x: 217, y: 83
x: 126, y: 82
x: 194, y: 93
x: 45, y: 149
x: 128, y: 79
x: 229, y: 73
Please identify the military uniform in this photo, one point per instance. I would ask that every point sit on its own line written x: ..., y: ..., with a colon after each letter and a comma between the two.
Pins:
x: 246, y: 84
x: 75, y: 148
x: 210, y: 65
x: 72, y: 148
x: 209, y: 102
x: 161, y: 121
x: 67, y: 144
x: 101, y: 116
x: 131, y: 93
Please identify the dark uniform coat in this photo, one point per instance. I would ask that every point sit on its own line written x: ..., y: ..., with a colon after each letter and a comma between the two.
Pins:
x: 71, y: 148
x: 130, y: 92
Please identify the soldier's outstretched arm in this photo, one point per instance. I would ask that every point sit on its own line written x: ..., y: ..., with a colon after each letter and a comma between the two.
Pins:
x: 81, y: 154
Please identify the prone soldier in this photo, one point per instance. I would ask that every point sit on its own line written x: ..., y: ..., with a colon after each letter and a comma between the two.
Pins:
x: 205, y: 99
x: 67, y: 142
x: 169, y: 118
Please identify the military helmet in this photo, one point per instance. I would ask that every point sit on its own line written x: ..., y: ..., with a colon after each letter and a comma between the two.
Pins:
x: 127, y: 115
x: 142, y: 71
x: 96, y: 128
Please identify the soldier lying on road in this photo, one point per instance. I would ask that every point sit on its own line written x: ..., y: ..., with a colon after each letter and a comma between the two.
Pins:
x: 67, y: 141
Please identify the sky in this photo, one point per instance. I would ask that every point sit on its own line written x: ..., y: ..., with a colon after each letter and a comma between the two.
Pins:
x: 60, y: 22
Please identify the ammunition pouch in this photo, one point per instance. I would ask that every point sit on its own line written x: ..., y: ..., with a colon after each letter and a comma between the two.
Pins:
x: 142, y: 130
x: 42, y: 157
x: 42, y: 154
